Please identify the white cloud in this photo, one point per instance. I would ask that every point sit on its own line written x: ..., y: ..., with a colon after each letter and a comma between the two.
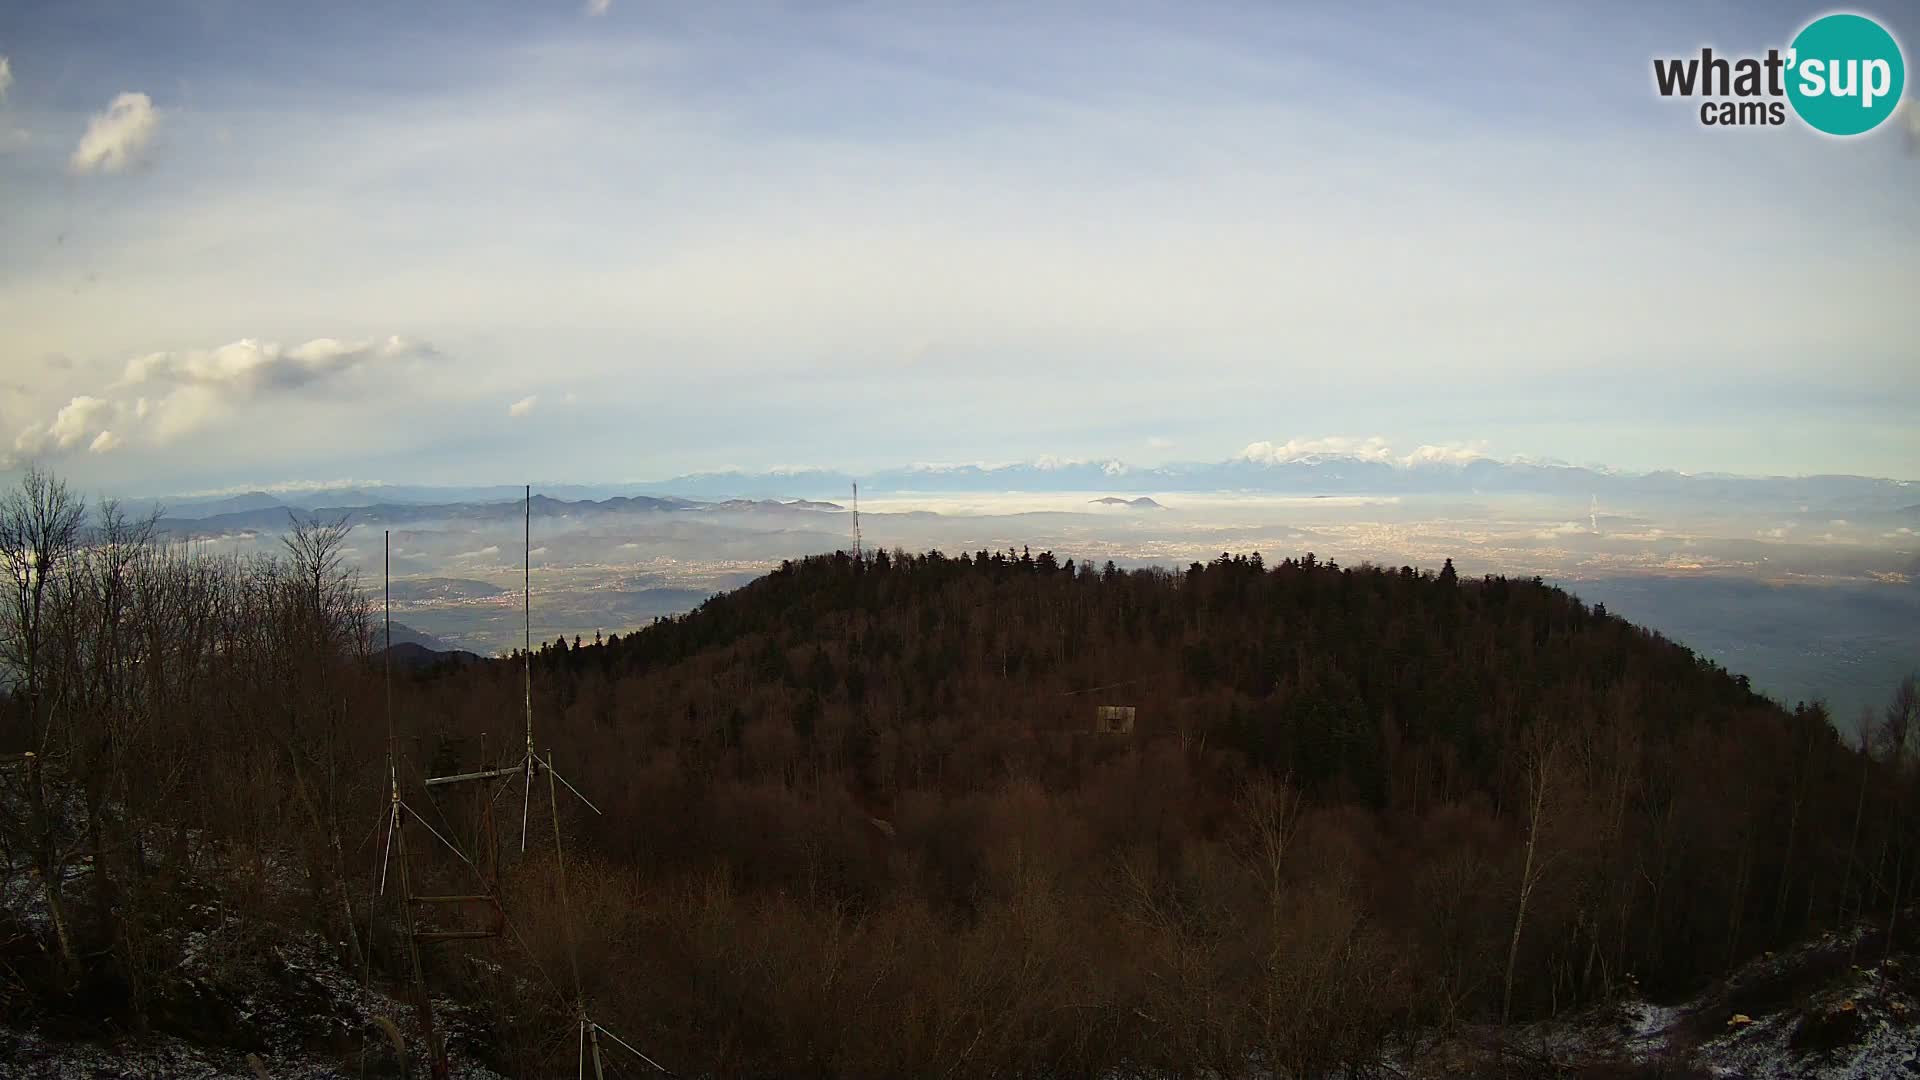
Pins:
x: 1266, y: 453
x: 250, y: 366
x: 190, y: 389
x: 1372, y: 449
x: 1159, y: 442
x: 1447, y: 454
x: 598, y: 7
x: 524, y: 406
x: 484, y: 553
x: 80, y: 416
x: 115, y: 138
x: 77, y: 419
x: 11, y: 138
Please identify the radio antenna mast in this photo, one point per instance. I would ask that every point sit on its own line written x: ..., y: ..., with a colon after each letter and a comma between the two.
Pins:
x: 526, y: 655
x: 531, y: 763
x: 397, y: 839
x: 856, y: 519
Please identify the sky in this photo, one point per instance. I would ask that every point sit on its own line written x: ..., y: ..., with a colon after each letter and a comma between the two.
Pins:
x: 248, y: 244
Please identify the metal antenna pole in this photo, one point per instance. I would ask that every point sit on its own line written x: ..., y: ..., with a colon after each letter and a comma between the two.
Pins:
x: 566, y: 921
x: 526, y: 656
x: 526, y: 609
x: 397, y: 837
x: 393, y: 818
x: 386, y: 584
x: 566, y: 908
x: 393, y: 772
x: 856, y: 519
x: 589, y: 1031
x: 422, y: 1003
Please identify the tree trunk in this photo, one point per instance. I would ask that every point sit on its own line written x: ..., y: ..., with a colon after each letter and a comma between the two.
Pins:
x: 1519, y: 921
x: 1853, y: 842
x: 52, y: 872
x: 1539, y: 775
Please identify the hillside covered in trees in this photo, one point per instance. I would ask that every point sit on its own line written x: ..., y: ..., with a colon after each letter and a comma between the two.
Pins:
x: 1353, y: 797
x: 859, y: 816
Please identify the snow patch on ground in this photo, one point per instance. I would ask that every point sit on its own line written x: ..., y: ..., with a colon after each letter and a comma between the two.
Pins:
x: 1649, y: 1029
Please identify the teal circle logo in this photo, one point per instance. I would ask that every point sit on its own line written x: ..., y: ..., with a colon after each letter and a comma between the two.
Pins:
x: 1845, y: 74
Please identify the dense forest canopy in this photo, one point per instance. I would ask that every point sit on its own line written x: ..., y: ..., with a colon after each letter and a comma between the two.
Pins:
x: 859, y: 816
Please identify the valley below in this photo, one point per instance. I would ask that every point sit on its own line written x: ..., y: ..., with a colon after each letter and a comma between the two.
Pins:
x: 1814, y: 601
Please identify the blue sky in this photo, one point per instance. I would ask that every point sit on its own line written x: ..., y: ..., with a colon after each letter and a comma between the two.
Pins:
x: 456, y: 242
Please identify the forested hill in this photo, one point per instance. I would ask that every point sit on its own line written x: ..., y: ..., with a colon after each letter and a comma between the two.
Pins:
x: 1399, y: 687
x: 1483, y: 796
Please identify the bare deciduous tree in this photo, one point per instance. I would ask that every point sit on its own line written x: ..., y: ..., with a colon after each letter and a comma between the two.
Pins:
x: 1540, y: 764
x: 39, y: 535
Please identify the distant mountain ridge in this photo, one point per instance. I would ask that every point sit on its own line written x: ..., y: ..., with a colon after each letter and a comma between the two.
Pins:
x: 275, y: 518
x: 1303, y: 474
x: 1310, y: 474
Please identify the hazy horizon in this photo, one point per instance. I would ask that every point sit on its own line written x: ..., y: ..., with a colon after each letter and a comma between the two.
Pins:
x: 1315, y: 451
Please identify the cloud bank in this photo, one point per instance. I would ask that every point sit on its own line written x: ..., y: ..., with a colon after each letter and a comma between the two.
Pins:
x: 1374, y: 449
x: 163, y: 395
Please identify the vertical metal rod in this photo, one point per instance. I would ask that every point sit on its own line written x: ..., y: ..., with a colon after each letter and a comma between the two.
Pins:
x: 580, y: 1059
x: 423, y: 1004
x: 566, y: 908
x: 566, y: 921
x: 393, y: 776
x: 397, y: 837
x: 526, y: 655
x: 526, y: 611
x: 387, y: 850
x: 386, y: 581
